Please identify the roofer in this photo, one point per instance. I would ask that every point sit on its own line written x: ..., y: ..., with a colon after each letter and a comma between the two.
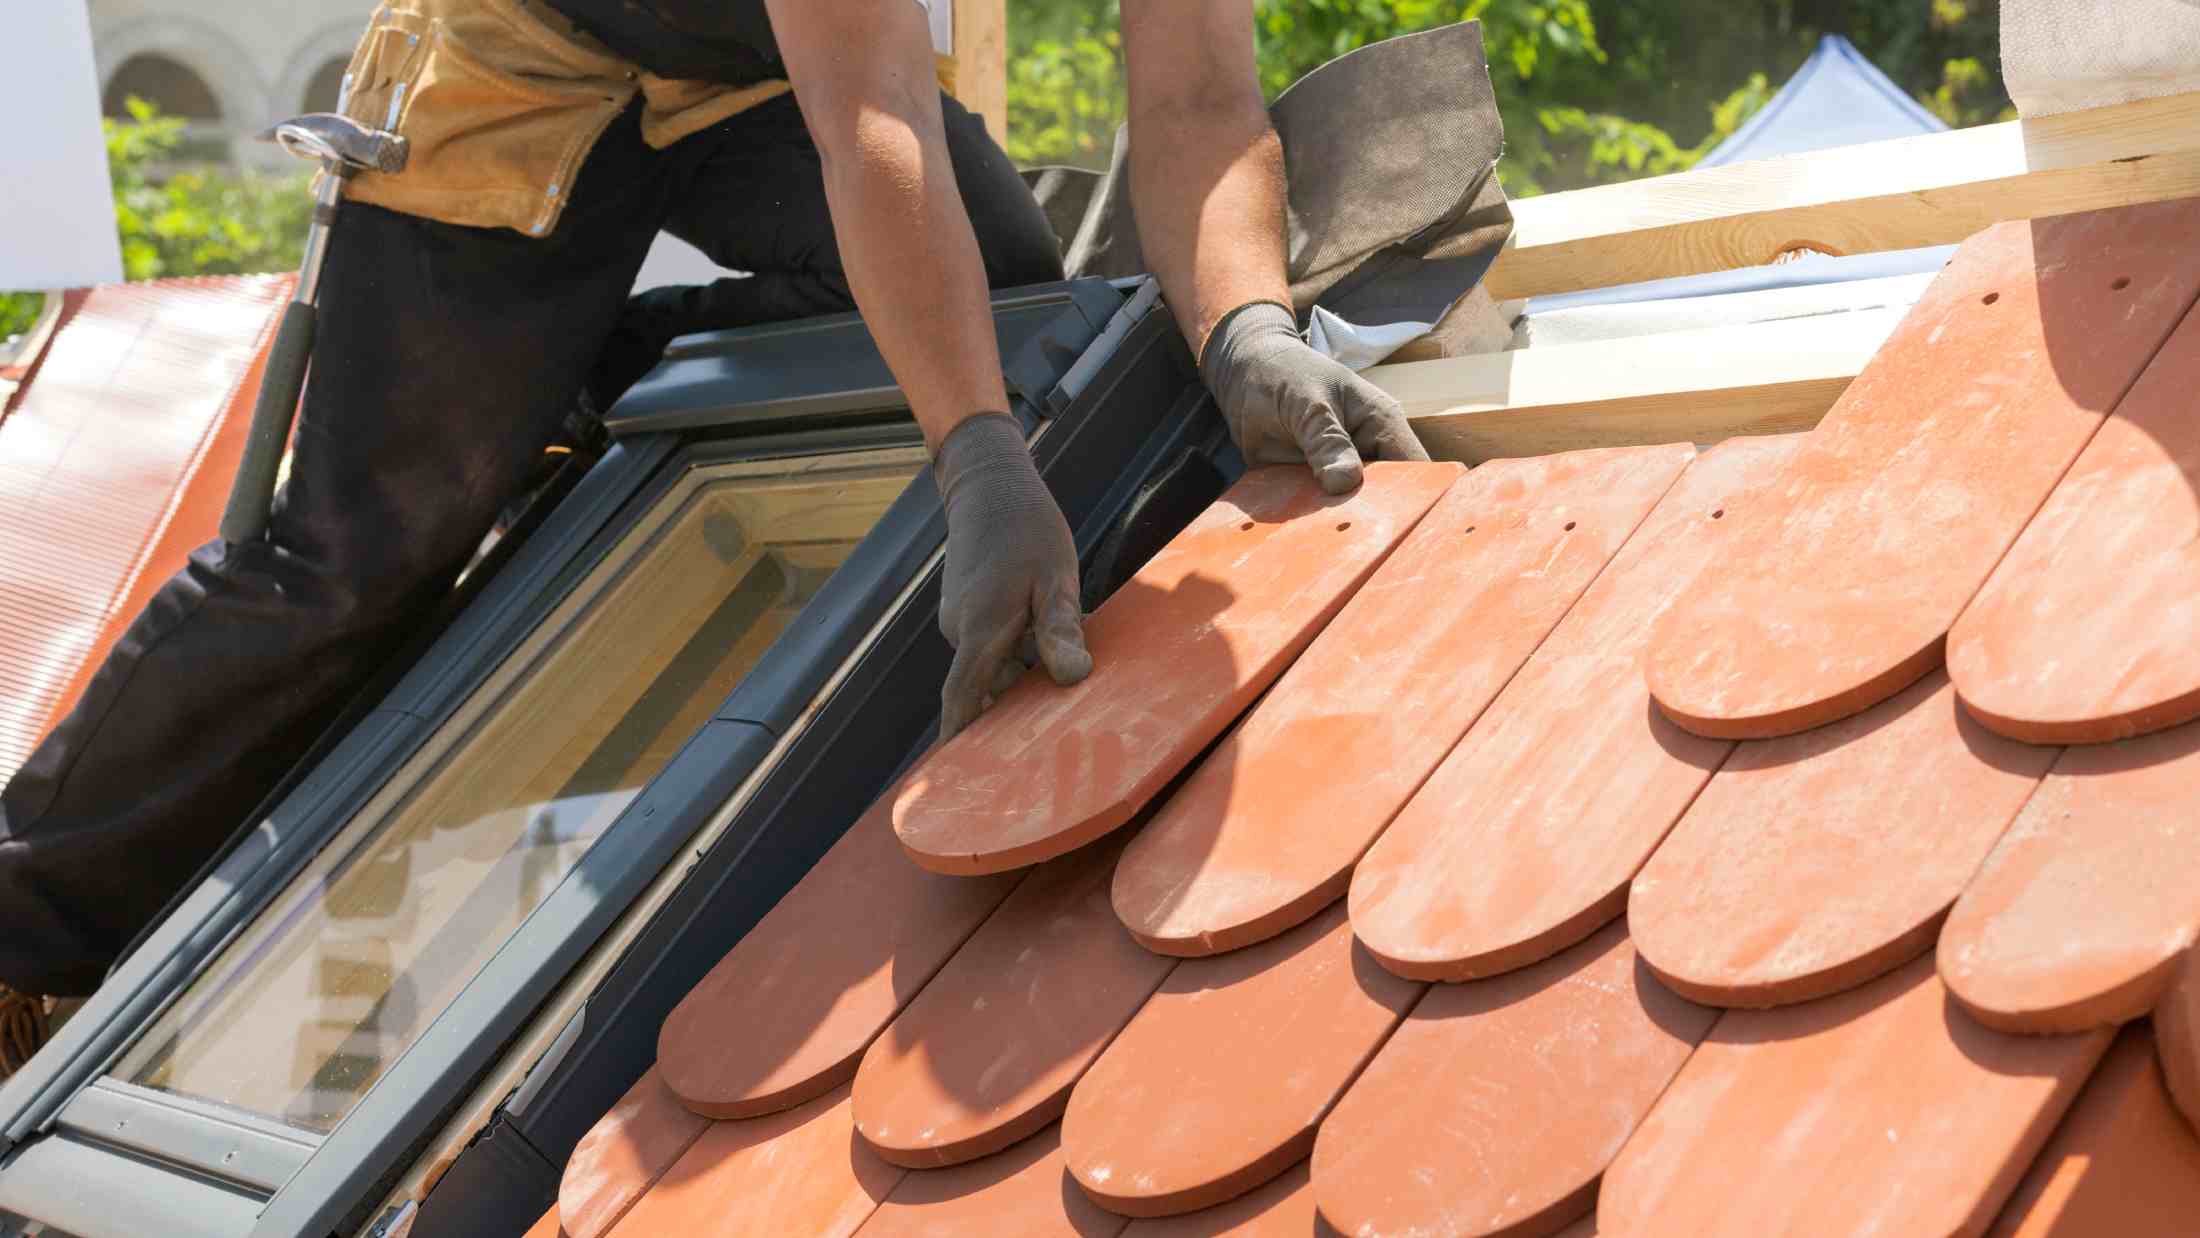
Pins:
x: 466, y: 303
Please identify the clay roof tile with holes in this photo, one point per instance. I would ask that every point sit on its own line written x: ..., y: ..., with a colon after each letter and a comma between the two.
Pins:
x: 1259, y: 838
x: 809, y: 1002
x: 1218, y: 1084
x: 1554, y: 1076
x: 987, y: 1054
x: 1588, y: 1037
x: 1021, y: 1193
x: 1900, y: 504
x: 1178, y: 653
x: 799, y: 1171
x: 2110, y: 841
x: 2177, y: 1037
x: 1882, y: 1110
x: 1814, y: 862
x: 2090, y: 629
x: 1523, y: 841
x: 2123, y: 1162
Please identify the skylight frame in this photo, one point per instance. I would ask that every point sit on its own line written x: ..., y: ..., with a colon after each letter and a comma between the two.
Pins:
x: 44, y: 1112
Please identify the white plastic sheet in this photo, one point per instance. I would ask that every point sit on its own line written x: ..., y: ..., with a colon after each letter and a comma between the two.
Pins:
x: 57, y: 212
x: 2066, y: 55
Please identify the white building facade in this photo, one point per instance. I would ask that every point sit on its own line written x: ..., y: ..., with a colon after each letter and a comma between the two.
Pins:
x: 236, y: 64
x: 234, y: 67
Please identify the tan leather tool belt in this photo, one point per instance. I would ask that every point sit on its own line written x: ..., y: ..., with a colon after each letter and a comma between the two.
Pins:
x: 502, y: 100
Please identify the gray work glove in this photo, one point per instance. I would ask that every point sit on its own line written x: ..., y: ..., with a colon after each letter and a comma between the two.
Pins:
x: 1011, y: 575
x: 1284, y: 402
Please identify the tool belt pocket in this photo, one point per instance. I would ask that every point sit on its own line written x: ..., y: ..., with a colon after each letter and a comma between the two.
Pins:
x: 499, y: 107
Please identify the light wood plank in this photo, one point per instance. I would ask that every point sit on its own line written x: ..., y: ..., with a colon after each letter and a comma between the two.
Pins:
x: 1680, y: 386
x: 1935, y: 189
x: 981, y: 61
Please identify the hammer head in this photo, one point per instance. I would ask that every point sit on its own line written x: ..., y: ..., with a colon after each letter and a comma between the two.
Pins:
x: 341, y: 145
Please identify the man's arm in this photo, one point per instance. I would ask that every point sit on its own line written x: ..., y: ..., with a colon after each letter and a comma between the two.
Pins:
x: 1207, y: 183
x: 862, y: 73
x: 1206, y: 166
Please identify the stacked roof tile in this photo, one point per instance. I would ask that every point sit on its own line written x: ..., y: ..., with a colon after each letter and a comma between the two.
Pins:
x: 1600, y: 847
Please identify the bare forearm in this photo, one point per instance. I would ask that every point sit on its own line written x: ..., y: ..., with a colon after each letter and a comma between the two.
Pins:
x: 873, y: 108
x: 914, y: 267
x: 1209, y: 192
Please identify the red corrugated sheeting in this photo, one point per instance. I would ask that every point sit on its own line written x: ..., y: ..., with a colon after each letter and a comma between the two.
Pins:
x: 115, y: 460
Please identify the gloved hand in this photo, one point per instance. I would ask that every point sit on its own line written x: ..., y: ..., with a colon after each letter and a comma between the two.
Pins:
x: 1284, y: 402
x: 1011, y: 575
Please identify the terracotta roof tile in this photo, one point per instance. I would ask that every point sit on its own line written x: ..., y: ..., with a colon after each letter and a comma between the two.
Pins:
x: 800, y: 1171
x: 627, y: 1151
x: 1883, y: 1110
x: 1022, y: 1193
x: 1260, y: 838
x: 1179, y: 651
x: 1431, y: 1139
x: 2177, y: 1036
x: 810, y: 987
x: 2090, y: 628
x: 1218, y: 1084
x: 2110, y: 842
x: 1522, y: 843
x: 1900, y: 504
x: 1808, y: 866
x: 2122, y: 1163
x: 1284, y: 1208
x: 1813, y: 870
x: 115, y: 462
x: 988, y: 1052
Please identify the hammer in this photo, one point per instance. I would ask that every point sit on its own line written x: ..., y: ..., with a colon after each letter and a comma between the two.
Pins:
x: 342, y: 146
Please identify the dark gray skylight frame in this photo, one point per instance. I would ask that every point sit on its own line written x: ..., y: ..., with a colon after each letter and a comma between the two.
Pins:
x: 186, y: 1159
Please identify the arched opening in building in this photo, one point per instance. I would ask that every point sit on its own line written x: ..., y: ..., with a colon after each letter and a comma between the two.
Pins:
x: 326, y: 84
x: 165, y: 83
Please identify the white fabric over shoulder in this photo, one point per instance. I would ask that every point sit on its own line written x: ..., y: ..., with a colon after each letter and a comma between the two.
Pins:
x: 2064, y: 55
x: 942, y: 16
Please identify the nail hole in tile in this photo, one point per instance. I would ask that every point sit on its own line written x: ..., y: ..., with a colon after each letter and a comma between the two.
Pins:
x: 2122, y: 282
x: 1470, y: 528
x: 1247, y: 527
x: 1343, y: 525
x: 1718, y: 513
x: 1990, y: 298
x: 1570, y: 525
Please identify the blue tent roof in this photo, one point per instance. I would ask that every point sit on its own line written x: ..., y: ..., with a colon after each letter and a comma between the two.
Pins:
x: 1835, y: 97
x: 1838, y: 98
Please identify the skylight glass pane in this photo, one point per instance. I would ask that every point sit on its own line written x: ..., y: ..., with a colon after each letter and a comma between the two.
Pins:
x: 305, y: 1011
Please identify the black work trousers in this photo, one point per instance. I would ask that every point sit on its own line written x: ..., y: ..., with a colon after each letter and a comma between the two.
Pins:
x: 447, y: 359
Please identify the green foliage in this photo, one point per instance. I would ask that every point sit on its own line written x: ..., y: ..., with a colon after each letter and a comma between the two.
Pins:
x: 197, y: 220
x: 1065, y: 82
x: 177, y: 217
x: 1591, y: 91
x: 18, y: 313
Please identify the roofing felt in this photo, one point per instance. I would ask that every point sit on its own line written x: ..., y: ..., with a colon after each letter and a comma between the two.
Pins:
x: 1599, y: 974
x: 114, y: 464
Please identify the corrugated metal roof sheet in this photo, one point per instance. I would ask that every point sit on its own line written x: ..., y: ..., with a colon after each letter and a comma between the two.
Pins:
x: 114, y: 463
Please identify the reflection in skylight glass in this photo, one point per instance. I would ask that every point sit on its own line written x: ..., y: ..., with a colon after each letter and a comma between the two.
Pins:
x: 306, y: 1010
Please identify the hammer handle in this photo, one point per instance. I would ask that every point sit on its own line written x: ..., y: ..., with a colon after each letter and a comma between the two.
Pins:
x: 245, y: 519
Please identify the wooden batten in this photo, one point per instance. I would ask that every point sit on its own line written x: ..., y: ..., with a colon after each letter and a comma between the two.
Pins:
x: 1935, y: 189
x: 1699, y: 386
